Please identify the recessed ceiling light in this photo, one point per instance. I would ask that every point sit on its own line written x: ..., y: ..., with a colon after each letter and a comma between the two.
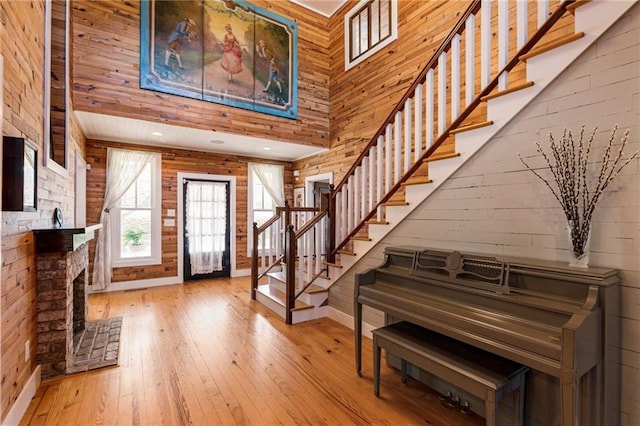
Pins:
x: 216, y: 142
x: 157, y: 133
x: 266, y: 148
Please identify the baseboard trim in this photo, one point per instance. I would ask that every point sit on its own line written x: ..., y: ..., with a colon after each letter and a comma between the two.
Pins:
x: 24, y: 399
x: 137, y: 284
x: 155, y: 282
x: 240, y: 273
x: 347, y: 320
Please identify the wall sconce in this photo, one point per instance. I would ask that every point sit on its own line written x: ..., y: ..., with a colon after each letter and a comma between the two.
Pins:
x: 296, y: 174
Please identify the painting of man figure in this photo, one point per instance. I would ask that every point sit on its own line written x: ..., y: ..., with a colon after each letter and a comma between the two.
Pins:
x: 222, y: 51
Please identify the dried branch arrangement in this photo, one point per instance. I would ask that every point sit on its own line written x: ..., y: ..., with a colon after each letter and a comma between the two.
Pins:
x: 568, y: 163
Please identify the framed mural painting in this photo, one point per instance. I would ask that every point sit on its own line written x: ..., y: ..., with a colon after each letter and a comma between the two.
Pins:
x: 223, y: 51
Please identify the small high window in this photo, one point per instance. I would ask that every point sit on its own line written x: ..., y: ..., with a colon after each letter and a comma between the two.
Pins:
x: 369, y: 27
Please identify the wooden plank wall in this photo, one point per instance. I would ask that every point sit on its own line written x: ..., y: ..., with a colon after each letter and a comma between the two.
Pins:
x: 18, y: 314
x: 22, y: 45
x: 106, y: 37
x: 173, y: 162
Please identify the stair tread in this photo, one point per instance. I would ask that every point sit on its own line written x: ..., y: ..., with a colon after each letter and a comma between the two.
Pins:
x: 416, y: 180
x: 437, y: 157
x: 279, y: 297
x: 377, y: 222
x: 511, y: 89
x: 315, y: 289
x: 360, y: 238
x: 395, y: 203
x: 472, y: 126
x: 347, y: 252
x: 278, y: 275
x: 335, y: 265
x: 282, y: 277
x: 552, y: 45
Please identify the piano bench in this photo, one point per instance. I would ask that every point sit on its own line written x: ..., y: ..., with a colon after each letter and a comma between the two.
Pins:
x: 480, y: 373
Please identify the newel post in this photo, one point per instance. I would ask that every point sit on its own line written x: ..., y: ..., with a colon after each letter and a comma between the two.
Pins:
x: 331, y: 212
x: 254, y: 262
x: 290, y: 256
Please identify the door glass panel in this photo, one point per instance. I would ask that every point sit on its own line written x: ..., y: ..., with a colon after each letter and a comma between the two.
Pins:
x: 206, y: 225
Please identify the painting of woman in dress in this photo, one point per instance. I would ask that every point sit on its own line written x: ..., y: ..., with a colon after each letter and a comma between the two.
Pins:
x: 224, y: 51
x: 231, y: 54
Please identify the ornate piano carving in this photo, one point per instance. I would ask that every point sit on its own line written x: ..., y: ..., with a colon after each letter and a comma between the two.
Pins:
x: 547, y: 316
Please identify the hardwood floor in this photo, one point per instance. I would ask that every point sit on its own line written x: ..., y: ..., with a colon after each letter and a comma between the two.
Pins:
x: 203, y: 353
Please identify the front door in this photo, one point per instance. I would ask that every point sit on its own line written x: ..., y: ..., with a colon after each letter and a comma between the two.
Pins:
x: 207, y: 234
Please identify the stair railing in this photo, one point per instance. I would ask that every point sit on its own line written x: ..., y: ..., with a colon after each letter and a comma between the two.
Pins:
x: 428, y: 112
x: 268, y: 245
x: 306, y: 253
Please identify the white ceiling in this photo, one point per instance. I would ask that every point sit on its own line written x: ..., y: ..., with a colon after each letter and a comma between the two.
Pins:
x: 128, y: 130
x: 323, y: 7
x: 140, y: 132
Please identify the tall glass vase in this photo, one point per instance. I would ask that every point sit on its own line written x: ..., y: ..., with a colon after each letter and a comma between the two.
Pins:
x: 579, y: 238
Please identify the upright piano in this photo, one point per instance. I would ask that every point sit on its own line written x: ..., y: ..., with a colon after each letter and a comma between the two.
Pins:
x: 553, y: 318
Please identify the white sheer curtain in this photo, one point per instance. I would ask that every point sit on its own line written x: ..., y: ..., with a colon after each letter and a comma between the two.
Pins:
x: 206, y: 210
x: 123, y: 168
x: 272, y: 178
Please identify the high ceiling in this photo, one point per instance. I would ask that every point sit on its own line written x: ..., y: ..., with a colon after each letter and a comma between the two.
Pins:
x: 118, y: 129
x: 323, y: 7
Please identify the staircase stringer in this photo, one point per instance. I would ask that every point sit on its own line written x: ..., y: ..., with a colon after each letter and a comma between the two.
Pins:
x: 593, y: 19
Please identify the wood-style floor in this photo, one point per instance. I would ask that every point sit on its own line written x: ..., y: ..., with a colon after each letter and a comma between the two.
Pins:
x: 203, y: 353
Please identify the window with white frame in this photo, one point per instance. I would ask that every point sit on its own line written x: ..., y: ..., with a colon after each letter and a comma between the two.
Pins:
x: 265, y: 186
x: 135, y: 221
x: 262, y: 204
x: 369, y: 27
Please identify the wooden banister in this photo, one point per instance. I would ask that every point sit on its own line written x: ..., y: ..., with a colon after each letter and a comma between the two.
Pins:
x: 473, y: 8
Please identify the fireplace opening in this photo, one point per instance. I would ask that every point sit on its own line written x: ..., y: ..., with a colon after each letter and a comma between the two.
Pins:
x: 79, y: 307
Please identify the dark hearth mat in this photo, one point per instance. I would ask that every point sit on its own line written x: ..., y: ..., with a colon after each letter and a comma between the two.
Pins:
x: 98, y: 345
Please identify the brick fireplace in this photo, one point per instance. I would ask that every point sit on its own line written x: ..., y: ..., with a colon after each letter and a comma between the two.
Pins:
x: 61, y: 307
x: 62, y: 278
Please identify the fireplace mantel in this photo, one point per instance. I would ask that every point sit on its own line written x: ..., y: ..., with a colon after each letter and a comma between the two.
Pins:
x: 63, y: 239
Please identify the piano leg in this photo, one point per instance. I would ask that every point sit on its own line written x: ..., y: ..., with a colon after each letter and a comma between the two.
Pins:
x: 376, y: 366
x: 490, y: 408
x: 404, y: 370
x: 357, y: 316
x: 569, y: 403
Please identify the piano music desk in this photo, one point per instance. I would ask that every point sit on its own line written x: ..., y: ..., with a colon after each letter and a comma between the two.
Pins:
x: 478, y: 372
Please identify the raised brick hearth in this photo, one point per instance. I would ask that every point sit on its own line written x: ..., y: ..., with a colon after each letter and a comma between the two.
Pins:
x: 61, y: 307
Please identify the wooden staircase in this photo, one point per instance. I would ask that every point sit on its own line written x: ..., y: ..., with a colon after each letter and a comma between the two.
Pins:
x: 429, y: 135
x: 307, y: 307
